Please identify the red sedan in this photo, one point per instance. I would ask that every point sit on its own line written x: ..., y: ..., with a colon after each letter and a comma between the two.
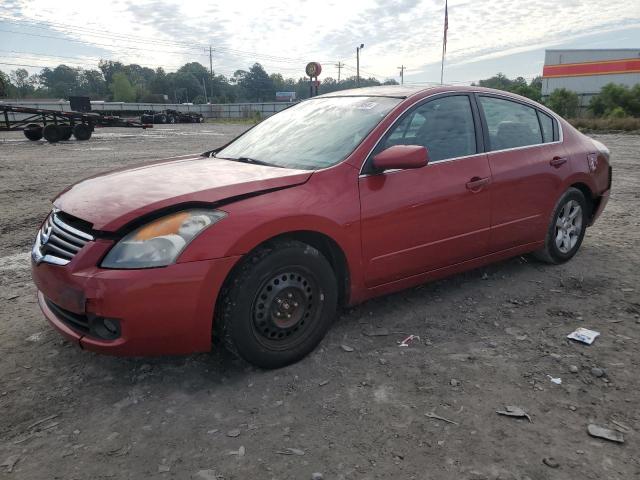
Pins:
x: 331, y: 202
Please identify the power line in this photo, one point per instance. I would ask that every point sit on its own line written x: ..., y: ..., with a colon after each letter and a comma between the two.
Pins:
x: 139, y: 39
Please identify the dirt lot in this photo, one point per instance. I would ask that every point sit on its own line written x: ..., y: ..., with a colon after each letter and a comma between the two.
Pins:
x: 489, y: 338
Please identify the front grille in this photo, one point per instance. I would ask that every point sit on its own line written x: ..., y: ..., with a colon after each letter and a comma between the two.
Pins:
x: 58, y: 242
x: 74, y: 320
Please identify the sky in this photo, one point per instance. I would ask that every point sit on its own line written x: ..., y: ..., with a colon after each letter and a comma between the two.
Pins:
x: 485, y: 36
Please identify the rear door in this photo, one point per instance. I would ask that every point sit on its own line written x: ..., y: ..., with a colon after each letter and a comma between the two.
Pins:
x: 526, y: 161
x: 414, y: 221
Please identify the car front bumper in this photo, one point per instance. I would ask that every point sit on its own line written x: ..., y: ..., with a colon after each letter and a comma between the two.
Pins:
x: 159, y: 311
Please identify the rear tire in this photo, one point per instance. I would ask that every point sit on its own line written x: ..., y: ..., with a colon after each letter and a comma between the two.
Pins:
x: 52, y: 133
x: 33, y: 132
x: 278, y: 304
x: 82, y: 131
x: 65, y: 132
x: 566, y: 230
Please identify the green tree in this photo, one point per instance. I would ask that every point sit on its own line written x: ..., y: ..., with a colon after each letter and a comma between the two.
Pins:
x: 255, y: 84
x: 122, y: 89
x: 93, y: 84
x: 564, y: 102
x: 5, y: 85
x: 618, y: 98
x: 20, y: 78
x: 62, y: 81
x: 109, y: 69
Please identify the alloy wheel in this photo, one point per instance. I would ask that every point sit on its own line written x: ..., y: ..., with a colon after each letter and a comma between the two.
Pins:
x: 568, y: 226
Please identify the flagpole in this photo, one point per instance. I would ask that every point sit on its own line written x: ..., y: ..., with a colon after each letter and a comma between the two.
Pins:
x: 444, y: 39
x: 442, y: 66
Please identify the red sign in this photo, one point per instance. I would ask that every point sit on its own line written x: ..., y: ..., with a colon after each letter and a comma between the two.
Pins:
x: 607, y: 67
x: 313, y: 69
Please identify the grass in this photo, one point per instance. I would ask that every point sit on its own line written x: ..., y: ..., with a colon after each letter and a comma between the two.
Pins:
x: 626, y: 124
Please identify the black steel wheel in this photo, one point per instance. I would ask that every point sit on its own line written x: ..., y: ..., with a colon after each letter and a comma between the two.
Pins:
x: 285, y: 307
x: 65, y: 132
x: 52, y: 133
x: 33, y: 132
x: 82, y: 131
x: 278, y: 304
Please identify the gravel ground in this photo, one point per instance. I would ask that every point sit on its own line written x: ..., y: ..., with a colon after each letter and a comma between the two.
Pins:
x: 488, y: 338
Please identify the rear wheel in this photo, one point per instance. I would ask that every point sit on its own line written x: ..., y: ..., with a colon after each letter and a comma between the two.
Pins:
x: 82, y: 131
x: 33, y: 132
x: 52, y: 133
x: 566, y: 229
x: 278, y: 305
x: 171, y: 119
x: 65, y: 132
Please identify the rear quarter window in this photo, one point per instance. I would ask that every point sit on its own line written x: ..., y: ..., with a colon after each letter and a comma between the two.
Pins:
x: 547, y: 127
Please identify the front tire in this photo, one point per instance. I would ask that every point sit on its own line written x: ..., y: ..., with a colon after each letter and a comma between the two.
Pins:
x: 278, y: 304
x: 566, y: 229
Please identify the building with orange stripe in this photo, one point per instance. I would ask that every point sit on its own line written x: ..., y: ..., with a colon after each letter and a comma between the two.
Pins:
x: 587, y: 71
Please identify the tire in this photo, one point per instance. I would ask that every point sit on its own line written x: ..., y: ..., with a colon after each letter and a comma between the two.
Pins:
x: 278, y: 304
x: 171, y: 119
x: 65, y: 132
x: 567, y: 227
x: 82, y: 131
x: 162, y: 118
x: 33, y: 132
x: 146, y: 118
x: 52, y: 133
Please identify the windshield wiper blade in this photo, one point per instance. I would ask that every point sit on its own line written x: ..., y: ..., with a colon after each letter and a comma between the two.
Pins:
x: 253, y: 161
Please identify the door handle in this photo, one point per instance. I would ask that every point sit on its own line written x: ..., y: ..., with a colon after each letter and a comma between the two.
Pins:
x: 476, y: 183
x: 558, y: 161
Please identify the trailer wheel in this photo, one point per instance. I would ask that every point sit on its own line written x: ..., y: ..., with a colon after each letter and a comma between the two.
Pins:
x: 162, y: 118
x: 66, y: 131
x: 82, y: 131
x: 33, y: 132
x: 171, y: 119
x: 52, y: 133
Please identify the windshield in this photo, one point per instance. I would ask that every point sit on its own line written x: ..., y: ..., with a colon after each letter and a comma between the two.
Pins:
x: 312, y: 135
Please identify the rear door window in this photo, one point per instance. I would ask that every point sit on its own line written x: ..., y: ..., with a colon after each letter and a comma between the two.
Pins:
x: 510, y: 124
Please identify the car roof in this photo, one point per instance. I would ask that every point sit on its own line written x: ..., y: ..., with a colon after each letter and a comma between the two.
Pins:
x: 406, y: 91
x: 394, y: 91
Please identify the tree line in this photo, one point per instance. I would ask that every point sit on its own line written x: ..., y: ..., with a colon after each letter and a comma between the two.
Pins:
x: 115, y: 81
x: 613, y: 101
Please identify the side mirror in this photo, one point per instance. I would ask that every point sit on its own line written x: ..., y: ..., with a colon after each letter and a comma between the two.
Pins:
x: 401, y: 157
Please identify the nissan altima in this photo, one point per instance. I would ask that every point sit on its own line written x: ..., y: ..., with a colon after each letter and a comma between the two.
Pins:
x: 333, y: 201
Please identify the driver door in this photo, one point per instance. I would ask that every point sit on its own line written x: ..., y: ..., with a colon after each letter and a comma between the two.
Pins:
x: 419, y: 220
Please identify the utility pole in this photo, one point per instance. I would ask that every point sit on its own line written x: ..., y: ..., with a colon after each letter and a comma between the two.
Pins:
x: 358, y: 63
x: 211, y: 74
x: 340, y: 65
x: 401, y: 68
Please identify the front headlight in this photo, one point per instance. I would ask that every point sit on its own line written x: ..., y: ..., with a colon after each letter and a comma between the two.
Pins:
x: 157, y: 244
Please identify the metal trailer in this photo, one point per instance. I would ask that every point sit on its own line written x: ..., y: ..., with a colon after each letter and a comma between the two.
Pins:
x: 56, y: 125
x: 171, y: 116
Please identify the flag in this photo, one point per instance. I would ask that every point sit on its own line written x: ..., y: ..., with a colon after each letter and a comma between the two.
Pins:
x: 446, y: 25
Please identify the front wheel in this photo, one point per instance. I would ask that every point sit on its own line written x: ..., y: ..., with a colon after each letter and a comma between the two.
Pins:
x: 566, y: 229
x: 278, y: 304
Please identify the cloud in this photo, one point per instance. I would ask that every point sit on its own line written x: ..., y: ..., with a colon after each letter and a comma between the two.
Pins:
x: 283, y: 35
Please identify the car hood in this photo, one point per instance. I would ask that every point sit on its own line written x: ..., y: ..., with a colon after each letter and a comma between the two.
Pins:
x: 112, y: 200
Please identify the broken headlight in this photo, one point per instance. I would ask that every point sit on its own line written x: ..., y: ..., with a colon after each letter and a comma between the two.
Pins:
x: 158, y: 244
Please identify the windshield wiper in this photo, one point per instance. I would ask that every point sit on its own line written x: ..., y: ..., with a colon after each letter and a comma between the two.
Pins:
x: 253, y: 161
